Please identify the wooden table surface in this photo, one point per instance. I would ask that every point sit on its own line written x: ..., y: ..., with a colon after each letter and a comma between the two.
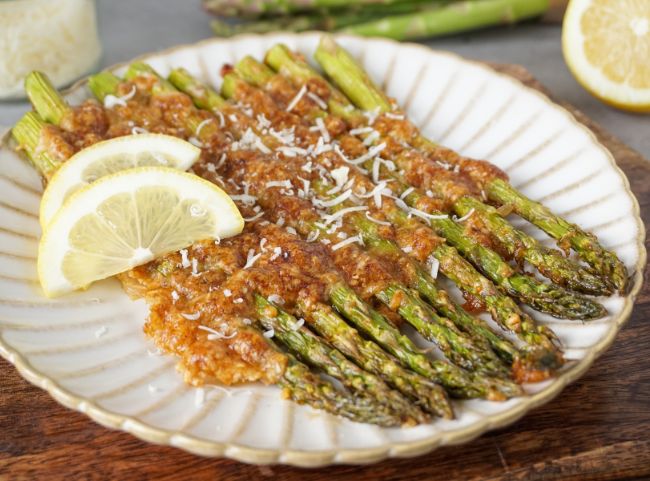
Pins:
x: 597, y: 429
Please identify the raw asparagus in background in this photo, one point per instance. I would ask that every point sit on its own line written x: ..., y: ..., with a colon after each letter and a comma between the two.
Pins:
x: 397, y: 19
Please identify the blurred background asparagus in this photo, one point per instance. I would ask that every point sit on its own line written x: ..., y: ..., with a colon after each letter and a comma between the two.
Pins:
x: 397, y: 19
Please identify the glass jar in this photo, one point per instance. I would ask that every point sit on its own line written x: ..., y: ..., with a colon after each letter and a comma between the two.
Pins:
x: 57, y: 37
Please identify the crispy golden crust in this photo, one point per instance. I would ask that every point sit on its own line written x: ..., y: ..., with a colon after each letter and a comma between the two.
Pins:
x: 201, y: 300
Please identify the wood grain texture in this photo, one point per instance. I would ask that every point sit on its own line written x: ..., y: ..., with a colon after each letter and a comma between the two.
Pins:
x: 597, y: 429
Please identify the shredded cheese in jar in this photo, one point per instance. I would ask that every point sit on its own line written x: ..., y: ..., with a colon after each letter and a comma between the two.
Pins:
x: 57, y: 37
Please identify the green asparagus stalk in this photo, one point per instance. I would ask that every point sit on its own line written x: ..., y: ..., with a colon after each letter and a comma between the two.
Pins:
x: 27, y: 133
x: 298, y: 382
x: 585, y: 244
x: 103, y: 84
x: 317, y: 353
x: 260, y: 8
x: 452, y: 18
x: 351, y: 78
x: 401, y: 21
x: 452, y: 380
x: 459, y: 348
x: 298, y: 23
x: 456, y: 381
x: 523, y: 247
x: 328, y: 20
x: 544, y: 297
x: 203, y: 97
x: 304, y: 387
x: 426, y: 285
x: 559, y: 269
x: 369, y: 356
x: 51, y: 109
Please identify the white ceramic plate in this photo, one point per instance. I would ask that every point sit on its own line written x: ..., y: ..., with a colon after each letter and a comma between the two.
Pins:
x: 88, y: 349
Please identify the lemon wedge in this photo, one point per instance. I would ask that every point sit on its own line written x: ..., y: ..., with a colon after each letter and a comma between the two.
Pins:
x: 127, y: 219
x: 111, y: 156
x: 606, y: 44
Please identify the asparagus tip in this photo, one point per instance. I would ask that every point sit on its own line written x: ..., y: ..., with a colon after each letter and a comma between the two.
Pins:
x: 27, y: 134
x: 44, y: 97
x: 103, y: 84
x: 536, y: 364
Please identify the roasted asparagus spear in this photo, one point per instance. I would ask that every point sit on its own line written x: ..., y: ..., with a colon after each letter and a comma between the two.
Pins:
x: 356, y: 84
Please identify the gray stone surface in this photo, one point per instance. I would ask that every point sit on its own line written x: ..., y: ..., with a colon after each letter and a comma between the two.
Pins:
x: 132, y: 27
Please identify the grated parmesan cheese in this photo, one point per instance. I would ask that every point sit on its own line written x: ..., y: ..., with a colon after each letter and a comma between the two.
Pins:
x: 426, y: 215
x: 376, y: 221
x: 185, y: 261
x: 340, y: 175
x: 141, y: 130
x: 370, y: 139
x: 465, y: 217
x: 213, y: 334
x: 434, y: 264
x: 277, y: 252
x: 372, y: 153
x: 276, y: 299
x: 322, y: 129
x: 347, y: 242
x: 339, y: 214
x: 335, y: 201
x: 406, y: 193
x: 195, y: 267
x: 361, y: 130
x: 251, y: 258
x: 298, y: 324
x: 296, y: 99
x: 254, y: 218
x: 111, y: 101
x: 200, y: 127
x: 317, y: 100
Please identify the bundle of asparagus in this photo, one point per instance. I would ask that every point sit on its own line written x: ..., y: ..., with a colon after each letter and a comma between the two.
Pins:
x: 367, y: 233
x: 397, y: 19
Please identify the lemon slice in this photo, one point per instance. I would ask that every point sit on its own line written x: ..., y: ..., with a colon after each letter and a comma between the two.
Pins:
x: 127, y: 219
x: 110, y: 156
x: 606, y: 44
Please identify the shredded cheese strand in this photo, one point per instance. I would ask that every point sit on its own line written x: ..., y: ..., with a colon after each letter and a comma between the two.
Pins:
x: 296, y: 99
x: 376, y: 221
x: 347, y: 242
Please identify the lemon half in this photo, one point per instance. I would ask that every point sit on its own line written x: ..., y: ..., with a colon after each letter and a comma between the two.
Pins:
x: 127, y: 219
x: 606, y: 44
